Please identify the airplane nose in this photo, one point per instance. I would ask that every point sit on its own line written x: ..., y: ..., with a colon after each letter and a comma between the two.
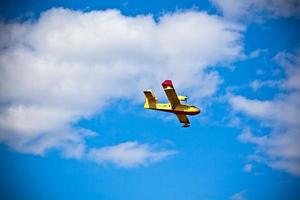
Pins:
x: 195, y: 110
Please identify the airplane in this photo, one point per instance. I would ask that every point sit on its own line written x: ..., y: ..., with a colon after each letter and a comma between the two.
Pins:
x: 174, y: 105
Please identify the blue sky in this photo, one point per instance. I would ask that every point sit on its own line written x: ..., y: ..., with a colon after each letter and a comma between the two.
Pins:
x: 72, y: 122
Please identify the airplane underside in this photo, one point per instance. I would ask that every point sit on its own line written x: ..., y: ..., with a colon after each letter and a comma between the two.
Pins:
x: 176, y: 111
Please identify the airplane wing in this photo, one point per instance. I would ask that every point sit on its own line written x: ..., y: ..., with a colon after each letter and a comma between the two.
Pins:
x: 171, y: 93
x: 183, y: 118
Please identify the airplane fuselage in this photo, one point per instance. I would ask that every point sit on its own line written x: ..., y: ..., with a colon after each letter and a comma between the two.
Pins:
x: 179, y: 109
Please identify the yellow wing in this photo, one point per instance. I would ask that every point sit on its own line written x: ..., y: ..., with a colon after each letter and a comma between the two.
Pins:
x: 183, y: 119
x: 170, y: 92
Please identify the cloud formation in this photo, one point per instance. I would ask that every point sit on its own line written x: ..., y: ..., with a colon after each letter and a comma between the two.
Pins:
x: 67, y: 65
x: 128, y: 154
x: 239, y: 196
x: 253, y: 9
x: 280, y: 149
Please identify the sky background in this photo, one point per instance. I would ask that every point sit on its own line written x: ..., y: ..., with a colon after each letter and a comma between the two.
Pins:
x: 72, y: 122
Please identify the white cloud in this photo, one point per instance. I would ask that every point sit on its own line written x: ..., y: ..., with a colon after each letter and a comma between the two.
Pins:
x: 248, y: 167
x: 279, y: 149
x: 257, y: 84
x: 291, y: 65
x: 128, y: 154
x: 283, y: 110
x: 257, y: 53
x: 239, y: 196
x: 67, y: 65
x: 254, y: 9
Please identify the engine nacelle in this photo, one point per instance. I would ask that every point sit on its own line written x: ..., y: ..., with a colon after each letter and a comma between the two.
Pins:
x: 182, y: 98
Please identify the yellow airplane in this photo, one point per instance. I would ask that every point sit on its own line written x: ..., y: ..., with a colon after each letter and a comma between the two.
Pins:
x: 180, y: 110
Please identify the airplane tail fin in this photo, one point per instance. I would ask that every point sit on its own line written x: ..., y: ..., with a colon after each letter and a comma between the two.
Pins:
x: 151, y: 100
